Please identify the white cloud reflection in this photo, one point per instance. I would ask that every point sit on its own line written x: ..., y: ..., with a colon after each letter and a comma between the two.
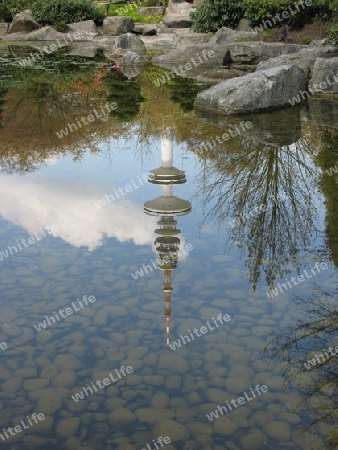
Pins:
x: 70, y: 206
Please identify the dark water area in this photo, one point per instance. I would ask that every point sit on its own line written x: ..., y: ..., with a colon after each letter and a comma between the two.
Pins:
x: 164, y: 274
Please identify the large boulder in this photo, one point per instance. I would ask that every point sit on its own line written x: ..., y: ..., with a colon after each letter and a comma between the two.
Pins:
x: 115, y: 25
x: 147, y: 11
x: 324, y: 79
x: 146, y: 29
x: 129, y: 41
x: 228, y: 35
x: 181, y: 9
x: 86, y: 27
x: 252, y: 53
x: 303, y: 59
x: 177, y: 21
x: 3, y: 28
x: 200, y: 54
x: 42, y: 34
x: 23, y: 22
x: 178, y: 15
x: 255, y: 92
x: 189, y: 39
x: 164, y: 42
x: 240, y: 55
x: 45, y: 34
x: 80, y: 36
x: 131, y: 59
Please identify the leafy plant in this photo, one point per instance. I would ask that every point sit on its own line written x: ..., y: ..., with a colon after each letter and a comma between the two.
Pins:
x: 333, y: 34
x: 52, y: 12
x: 258, y: 10
x: 305, y: 40
x: 129, y: 11
x: 212, y: 15
x: 8, y: 8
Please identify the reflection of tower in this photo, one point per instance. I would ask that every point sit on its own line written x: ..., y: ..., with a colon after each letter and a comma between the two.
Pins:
x: 167, y: 206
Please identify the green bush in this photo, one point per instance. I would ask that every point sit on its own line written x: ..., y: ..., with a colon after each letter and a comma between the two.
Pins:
x: 130, y: 11
x: 258, y: 10
x: 57, y: 12
x: 212, y: 15
x: 333, y: 34
x: 8, y: 8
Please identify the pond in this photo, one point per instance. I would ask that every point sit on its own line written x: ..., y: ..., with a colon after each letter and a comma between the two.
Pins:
x: 168, y: 279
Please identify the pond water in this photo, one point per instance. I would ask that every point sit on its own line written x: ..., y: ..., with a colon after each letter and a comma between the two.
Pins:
x: 140, y: 301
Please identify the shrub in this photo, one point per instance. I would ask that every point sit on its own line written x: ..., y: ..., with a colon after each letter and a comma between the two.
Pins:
x: 212, y: 15
x: 130, y: 11
x: 8, y: 8
x: 57, y: 12
x: 333, y: 34
x: 258, y: 10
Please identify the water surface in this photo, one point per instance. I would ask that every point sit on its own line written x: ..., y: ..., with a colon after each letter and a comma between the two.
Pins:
x: 234, y: 257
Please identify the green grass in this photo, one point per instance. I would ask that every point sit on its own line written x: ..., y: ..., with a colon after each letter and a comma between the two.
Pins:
x: 130, y: 11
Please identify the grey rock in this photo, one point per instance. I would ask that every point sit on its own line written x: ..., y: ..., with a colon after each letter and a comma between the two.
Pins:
x: 238, y: 54
x: 177, y: 22
x: 115, y: 25
x: 318, y: 42
x: 129, y: 41
x: 3, y: 28
x: 178, y: 15
x: 324, y: 77
x: 147, y: 11
x: 164, y: 42
x: 181, y: 9
x: 146, y: 29
x: 194, y: 52
x: 46, y: 34
x: 130, y: 58
x: 87, y: 26
x: 43, y: 34
x: 105, y: 42
x: 303, y: 59
x: 256, y: 92
x: 253, y: 53
x: 226, y: 35
x: 216, y: 76
x: 191, y: 38
x: 23, y: 22
x: 81, y: 36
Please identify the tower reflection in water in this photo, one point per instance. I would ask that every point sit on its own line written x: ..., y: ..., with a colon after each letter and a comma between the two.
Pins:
x: 167, y: 206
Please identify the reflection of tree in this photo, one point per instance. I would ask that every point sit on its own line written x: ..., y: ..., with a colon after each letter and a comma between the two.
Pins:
x: 236, y: 184
x: 184, y: 92
x: 327, y: 159
x: 315, y: 334
x: 57, y: 91
x: 127, y: 95
x: 41, y: 101
x: 2, y: 101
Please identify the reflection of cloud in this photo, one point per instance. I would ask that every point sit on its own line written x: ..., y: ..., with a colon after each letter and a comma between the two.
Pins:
x: 51, y: 161
x: 70, y: 206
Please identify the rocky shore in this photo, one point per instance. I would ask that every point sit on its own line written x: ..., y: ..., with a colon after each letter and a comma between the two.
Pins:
x: 249, y: 76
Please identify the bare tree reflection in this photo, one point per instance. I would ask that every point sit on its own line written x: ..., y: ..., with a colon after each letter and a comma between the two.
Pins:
x: 267, y: 191
x: 314, y: 338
